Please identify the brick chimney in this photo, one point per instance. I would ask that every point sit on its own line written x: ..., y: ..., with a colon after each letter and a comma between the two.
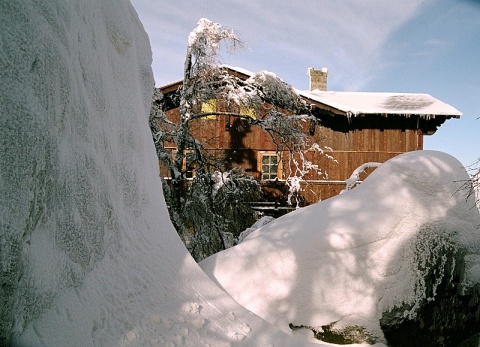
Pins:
x: 318, y: 79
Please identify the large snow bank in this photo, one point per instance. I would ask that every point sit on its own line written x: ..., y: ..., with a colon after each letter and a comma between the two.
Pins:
x: 88, y: 254
x: 346, y: 260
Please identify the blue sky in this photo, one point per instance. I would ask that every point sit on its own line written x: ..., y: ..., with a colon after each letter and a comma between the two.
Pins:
x: 411, y: 46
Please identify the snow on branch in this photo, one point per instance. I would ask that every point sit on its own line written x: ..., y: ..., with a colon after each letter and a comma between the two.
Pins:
x: 204, y: 44
x: 355, y: 176
x: 273, y: 89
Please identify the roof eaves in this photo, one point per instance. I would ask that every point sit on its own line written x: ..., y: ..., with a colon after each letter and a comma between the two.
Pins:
x: 171, y: 86
x: 343, y: 109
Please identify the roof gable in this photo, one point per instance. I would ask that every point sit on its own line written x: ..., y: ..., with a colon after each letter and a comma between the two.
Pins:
x: 356, y: 104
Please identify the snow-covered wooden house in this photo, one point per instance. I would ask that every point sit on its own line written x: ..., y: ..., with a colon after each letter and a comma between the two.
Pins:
x: 359, y: 127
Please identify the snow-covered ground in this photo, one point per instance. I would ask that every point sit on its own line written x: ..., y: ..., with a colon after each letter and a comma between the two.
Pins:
x: 346, y: 260
x: 88, y: 254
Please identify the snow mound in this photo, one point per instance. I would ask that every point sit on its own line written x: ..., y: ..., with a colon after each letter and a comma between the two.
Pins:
x: 88, y: 255
x: 258, y: 224
x: 347, y: 259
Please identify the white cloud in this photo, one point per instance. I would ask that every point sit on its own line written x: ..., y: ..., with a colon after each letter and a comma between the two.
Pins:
x: 285, y: 37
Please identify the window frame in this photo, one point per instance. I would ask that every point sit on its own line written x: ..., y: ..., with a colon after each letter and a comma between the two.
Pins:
x: 260, y: 165
x: 189, y: 173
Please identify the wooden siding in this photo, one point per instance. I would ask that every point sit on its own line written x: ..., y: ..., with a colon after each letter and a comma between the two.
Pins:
x: 368, y: 139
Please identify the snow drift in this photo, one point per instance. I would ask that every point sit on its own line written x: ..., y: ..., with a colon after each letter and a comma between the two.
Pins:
x: 348, y: 260
x: 88, y: 254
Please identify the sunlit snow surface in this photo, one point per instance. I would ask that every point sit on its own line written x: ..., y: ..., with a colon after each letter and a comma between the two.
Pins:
x: 351, y: 257
x: 362, y: 103
x: 88, y: 254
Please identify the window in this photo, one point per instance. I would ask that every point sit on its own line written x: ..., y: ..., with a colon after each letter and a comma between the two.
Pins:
x: 270, y: 166
x: 247, y: 111
x: 209, y: 106
x: 190, y: 159
x: 188, y: 164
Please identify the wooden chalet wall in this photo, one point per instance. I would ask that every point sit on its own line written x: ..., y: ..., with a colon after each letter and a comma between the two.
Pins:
x: 354, y: 141
x: 354, y: 148
x: 359, y: 140
x: 228, y: 138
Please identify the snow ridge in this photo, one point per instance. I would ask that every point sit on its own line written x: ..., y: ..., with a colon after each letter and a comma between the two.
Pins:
x: 88, y: 255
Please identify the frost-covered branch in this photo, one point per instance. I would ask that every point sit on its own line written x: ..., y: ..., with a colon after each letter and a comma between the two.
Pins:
x: 355, y: 176
x: 262, y: 100
x: 300, y: 166
x: 472, y: 186
x: 201, y: 68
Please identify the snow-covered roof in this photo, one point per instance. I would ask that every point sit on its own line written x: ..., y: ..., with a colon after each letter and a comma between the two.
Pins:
x: 240, y: 70
x: 353, y: 104
x: 363, y: 103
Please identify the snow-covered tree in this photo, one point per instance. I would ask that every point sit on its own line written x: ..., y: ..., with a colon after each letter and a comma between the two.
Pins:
x: 472, y: 187
x: 476, y: 188
x: 216, y: 210
x: 279, y: 111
